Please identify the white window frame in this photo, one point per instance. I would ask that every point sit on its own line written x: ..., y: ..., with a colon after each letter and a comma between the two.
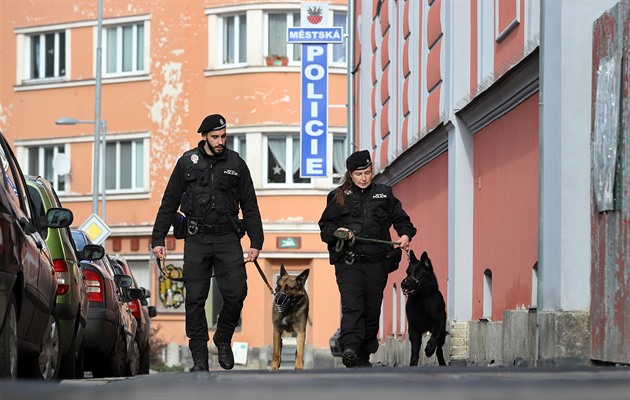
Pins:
x: 289, y: 137
x: 238, y: 143
x: 292, y: 51
x: 119, y: 24
x: 115, y: 169
x: 41, y: 164
x: 338, y: 176
x: 334, y: 63
x: 25, y: 45
x: 237, y: 32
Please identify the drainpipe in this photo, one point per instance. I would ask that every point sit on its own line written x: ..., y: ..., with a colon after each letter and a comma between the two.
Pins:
x: 541, y: 175
x: 349, y: 77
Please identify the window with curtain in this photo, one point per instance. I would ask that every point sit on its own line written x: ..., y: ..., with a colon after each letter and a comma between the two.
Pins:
x: 283, y: 161
x: 40, y: 162
x: 234, y: 39
x: 339, y: 49
x: 277, y: 24
x: 125, y: 165
x: 339, y: 158
x: 123, y: 49
x: 47, y: 55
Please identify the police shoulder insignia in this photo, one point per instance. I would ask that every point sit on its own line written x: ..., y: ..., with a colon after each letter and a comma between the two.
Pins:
x: 194, y: 158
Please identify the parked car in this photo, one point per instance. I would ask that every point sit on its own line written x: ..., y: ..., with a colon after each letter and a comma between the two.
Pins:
x: 143, y: 313
x: 110, y: 335
x: 72, y: 302
x: 29, y: 330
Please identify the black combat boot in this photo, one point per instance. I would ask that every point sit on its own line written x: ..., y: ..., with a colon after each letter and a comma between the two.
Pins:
x: 199, y: 351
x: 226, y: 357
x: 363, y: 361
x: 350, y: 357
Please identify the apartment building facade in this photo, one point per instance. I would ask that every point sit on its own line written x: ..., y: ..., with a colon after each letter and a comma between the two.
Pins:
x: 165, y: 66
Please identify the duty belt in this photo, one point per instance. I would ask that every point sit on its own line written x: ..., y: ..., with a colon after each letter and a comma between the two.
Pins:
x: 350, y: 257
x: 195, y: 227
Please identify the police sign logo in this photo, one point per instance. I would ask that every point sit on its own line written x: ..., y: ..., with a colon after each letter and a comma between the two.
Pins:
x: 379, y: 196
x: 230, y: 172
x: 194, y: 158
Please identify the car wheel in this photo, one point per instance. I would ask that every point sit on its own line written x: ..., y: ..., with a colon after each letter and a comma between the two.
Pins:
x: 47, y: 365
x: 79, y: 367
x: 133, y: 359
x: 68, y: 361
x: 117, y: 359
x: 8, y: 342
x: 145, y: 360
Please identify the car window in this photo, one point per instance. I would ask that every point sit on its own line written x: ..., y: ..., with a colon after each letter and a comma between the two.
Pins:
x: 13, y: 181
x: 108, y: 266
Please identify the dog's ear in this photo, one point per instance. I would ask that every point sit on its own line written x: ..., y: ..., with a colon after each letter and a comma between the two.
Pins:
x: 301, y: 279
x: 425, y: 261
x: 282, y: 270
x: 412, y: 256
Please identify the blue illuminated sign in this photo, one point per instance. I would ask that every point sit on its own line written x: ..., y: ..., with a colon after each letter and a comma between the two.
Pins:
x: 314, y: 110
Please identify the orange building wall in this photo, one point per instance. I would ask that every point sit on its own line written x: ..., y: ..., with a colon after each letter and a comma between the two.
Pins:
x: 506, y: 198
x: 424, y: 196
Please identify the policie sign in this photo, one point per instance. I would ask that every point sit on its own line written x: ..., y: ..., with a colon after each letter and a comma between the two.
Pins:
x: 315, y: 35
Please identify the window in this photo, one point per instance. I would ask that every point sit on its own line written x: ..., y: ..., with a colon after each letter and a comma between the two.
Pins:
x: 235, y: 39
x: 125, y: 165
x: 47, y: 55
x: 339, y: 49
x: 277, y: 24
x: 339, y: 158
x: 487, y: 294
x: 123, y: 49
x: 282, y: 156
x: 238, y: 144
x: 41, y: 162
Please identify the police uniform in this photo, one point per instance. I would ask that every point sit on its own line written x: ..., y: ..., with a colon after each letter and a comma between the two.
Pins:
x: 361, y: 267
x: 209, y: 190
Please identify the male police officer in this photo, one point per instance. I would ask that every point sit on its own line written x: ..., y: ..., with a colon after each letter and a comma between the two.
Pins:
x: 209, y: 184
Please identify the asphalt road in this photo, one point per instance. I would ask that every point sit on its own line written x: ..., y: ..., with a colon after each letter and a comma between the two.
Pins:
x: 511, y: 383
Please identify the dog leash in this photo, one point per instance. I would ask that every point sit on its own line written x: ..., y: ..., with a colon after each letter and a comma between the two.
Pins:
x: 162, y: 261
x: 264, y: 278
x: 342, y: 236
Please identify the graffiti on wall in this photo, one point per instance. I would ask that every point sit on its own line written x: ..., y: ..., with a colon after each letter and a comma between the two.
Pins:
x: 171, y: 291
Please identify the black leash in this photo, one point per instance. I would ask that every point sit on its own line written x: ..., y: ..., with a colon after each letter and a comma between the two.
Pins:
x: 161, y: 261
x: 264, y: 278
x: 343, y: 236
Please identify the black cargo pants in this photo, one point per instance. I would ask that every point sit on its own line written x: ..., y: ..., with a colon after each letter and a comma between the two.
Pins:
x: 202, y: 260
x: 361, y: 287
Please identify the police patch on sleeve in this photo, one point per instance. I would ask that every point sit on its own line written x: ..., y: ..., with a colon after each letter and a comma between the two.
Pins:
x: 194, y: 158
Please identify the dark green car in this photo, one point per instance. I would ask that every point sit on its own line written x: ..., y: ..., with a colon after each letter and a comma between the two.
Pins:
x: 72, y: 302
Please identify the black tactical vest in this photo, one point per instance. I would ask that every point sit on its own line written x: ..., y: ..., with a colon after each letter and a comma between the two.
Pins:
x: 366, y: 213
x: 211, y: 184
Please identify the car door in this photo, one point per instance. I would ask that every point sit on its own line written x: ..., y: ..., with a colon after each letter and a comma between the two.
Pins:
x: 35, y: 261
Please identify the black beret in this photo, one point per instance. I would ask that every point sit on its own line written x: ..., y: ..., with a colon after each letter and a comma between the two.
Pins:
x: 358, y: 160
x: 214, y: 122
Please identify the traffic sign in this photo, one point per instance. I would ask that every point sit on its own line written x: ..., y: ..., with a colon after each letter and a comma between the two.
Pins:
x: 96, y: 229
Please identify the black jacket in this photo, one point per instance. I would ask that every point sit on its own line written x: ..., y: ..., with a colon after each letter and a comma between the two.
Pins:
x: 369, y: 213
x: 210, y: 187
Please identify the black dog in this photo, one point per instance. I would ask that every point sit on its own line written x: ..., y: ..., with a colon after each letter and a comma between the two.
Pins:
x: 426, y: 309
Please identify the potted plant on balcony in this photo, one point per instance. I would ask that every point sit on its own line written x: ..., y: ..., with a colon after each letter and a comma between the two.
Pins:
x: 276, y: 59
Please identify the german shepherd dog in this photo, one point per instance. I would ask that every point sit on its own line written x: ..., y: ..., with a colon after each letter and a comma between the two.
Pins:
x: 290, y: 313
x: 426, y: 309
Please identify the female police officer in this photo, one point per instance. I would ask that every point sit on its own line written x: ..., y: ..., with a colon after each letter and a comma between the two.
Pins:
x: 359, y: 209
x: 209, y: 184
